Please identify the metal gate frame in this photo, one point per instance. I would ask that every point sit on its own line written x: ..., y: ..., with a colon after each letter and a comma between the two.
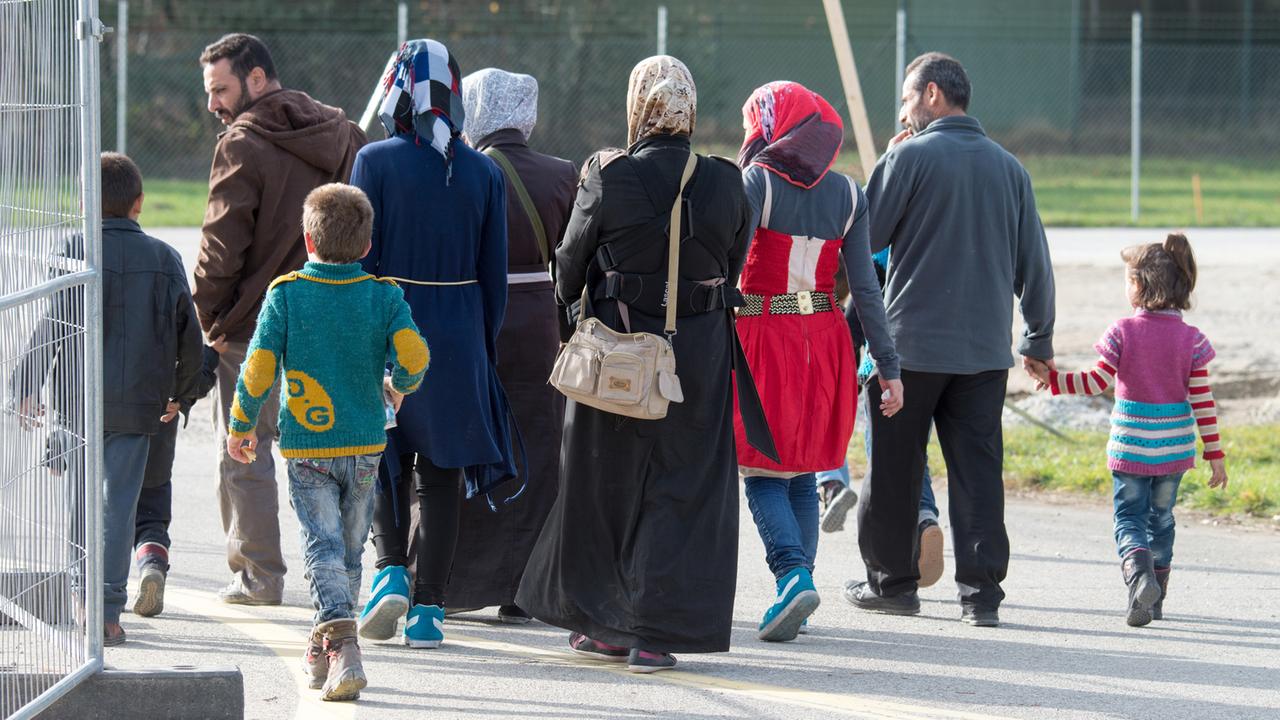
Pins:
x: 88, y: 30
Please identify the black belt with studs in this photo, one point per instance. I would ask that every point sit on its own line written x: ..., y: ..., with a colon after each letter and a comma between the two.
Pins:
x: 805, y: 302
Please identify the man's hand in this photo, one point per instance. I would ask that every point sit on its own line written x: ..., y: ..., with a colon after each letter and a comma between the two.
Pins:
x: 396, y: 398
x: 170, y: 411
x: 899, y: 138
x: 219, y: 344
x: 30, y: 410
x: 890, y: 396
x: 1039, y: 370
x: 242, y: 449
x: 1219, y: 477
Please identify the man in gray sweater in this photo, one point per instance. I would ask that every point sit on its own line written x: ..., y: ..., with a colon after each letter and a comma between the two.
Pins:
x: 959, y: 214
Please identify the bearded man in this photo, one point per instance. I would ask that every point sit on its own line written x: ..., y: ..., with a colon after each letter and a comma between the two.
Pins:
x: 279, y: 145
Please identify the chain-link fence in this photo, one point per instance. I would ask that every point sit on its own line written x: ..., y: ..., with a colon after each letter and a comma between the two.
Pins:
x: 50, y: 436
x: 1052, y: 80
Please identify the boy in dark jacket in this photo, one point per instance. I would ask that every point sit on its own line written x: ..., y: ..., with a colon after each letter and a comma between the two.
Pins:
x: 151, y: 355
x: 155, y: 503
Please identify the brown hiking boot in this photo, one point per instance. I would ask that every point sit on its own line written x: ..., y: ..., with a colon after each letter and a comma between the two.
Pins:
x: 315, y: 663
x: 346, y: 673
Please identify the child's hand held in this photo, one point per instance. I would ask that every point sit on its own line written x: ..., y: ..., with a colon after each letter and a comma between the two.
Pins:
x: 1219, y: 477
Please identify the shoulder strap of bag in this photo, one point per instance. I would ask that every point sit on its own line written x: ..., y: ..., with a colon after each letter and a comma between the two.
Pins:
x: 525, y: 201
x: 673, y: 252
x: 673, y: 246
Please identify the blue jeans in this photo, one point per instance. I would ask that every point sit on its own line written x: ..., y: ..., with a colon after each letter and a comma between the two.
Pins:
x: 786, y: 515
x: 333, y: 498
x: 1144, y: 514
x: 928, y: 506
x: 124, y: 461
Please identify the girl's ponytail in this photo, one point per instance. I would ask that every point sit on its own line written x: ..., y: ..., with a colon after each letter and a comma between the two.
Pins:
x: 1179, y: 248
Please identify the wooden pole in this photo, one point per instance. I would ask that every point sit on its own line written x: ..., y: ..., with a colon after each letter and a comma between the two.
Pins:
x: 852, y: 87
x: 1197, y: 198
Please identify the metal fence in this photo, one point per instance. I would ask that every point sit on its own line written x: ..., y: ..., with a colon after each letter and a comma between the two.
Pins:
x: 50, y: 345
x: 1052, y: 78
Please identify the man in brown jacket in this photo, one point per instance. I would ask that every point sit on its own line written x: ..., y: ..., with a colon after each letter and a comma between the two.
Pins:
x: 278, y: 146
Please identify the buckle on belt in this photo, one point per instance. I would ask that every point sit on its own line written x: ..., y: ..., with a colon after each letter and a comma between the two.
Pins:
x: 804, y: 301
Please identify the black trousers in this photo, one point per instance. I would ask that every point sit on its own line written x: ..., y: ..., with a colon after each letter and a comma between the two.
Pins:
x: 966, y: 410
x: 155, y: 502
x: 439, y: 496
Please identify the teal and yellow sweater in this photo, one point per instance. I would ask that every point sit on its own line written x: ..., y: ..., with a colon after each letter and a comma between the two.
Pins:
x: 332, y: 330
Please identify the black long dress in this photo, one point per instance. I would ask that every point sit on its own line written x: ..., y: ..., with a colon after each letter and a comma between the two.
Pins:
x: 640, y: 549
x: 493, y: 547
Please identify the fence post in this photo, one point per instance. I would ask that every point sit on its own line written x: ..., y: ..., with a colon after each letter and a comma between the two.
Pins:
x: 122, y: 76
x: 90, y: 199
x: 1135, y: 128
x: 402, y: 23
x: 662, y: 29
x: 899, y: 59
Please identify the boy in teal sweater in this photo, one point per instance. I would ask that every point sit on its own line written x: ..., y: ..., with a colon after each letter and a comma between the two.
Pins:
x: 332, y: 329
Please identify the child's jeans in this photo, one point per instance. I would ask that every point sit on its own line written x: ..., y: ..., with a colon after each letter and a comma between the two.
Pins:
x: 1144, y: 514
x: 333, y: 498
x: 786, y: 514
x: 124, y: 460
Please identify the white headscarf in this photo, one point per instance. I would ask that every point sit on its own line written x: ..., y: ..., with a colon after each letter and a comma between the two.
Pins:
x: 496, y: 100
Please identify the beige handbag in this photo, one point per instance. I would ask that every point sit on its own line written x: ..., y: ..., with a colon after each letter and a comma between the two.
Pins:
x: 630, y: 374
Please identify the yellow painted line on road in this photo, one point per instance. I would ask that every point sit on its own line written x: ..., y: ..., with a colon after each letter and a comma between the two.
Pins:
x: 846, y: 704
x: 288, y: 645
x: 285, y: 642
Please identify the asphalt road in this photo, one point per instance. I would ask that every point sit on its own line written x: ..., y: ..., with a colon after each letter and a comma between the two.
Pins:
x: 1062, y: 652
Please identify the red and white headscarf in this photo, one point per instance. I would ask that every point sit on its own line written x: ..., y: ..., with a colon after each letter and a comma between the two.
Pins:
x: 792, y: 132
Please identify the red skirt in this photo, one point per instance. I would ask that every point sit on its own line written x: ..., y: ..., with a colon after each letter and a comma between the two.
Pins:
x: 803, y: 368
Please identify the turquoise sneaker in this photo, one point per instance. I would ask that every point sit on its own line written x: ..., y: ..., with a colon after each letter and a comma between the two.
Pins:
x: 797, y: 599
x: 424, y: 627
x: 388, y: 602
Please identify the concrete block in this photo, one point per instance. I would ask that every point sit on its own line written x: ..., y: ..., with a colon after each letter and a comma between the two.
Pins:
x: 209, y: 693
x: 45, y: 595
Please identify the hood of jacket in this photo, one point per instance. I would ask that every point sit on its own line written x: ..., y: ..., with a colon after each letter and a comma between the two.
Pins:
x: 316, y: 133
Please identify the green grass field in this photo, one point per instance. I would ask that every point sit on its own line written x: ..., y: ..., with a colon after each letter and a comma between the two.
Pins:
x: 1091, y: 192
x: 173, y: 203
x: 1070, y: 191
x: 1036, y: 460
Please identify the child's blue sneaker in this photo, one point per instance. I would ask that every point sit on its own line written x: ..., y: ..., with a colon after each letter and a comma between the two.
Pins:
x: 388, y: 602
x: 797, y: 599
x: 424, y: 627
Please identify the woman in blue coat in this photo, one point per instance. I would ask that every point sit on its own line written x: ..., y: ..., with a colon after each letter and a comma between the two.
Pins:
x: 440, y: 231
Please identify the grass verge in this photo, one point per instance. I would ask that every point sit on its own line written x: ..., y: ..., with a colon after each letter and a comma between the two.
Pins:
x: 1070, y: 191
x: 173, y: 203
x: 1035, y: 460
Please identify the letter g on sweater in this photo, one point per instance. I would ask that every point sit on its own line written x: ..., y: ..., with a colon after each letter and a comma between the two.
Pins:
x: 309, y: 402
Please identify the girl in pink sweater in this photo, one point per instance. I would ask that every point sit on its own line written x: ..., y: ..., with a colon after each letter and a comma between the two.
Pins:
x: 1158, y: 366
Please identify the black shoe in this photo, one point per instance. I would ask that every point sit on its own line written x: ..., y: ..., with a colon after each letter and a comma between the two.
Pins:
x: 980, y: 617
x: 1162, y: 577
x: 1139, y: 574
x: 860, y: 595
x: 513, y: 615
x: 837, y: 501
x: 640, y: 661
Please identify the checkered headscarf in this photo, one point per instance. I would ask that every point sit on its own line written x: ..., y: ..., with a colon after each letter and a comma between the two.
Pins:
x: 423, y: 96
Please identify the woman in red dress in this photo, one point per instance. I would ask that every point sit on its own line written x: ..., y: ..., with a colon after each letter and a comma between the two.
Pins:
x: 807, y: 220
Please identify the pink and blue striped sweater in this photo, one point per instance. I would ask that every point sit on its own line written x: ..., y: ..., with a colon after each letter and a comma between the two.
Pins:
x: 1159, y: 366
